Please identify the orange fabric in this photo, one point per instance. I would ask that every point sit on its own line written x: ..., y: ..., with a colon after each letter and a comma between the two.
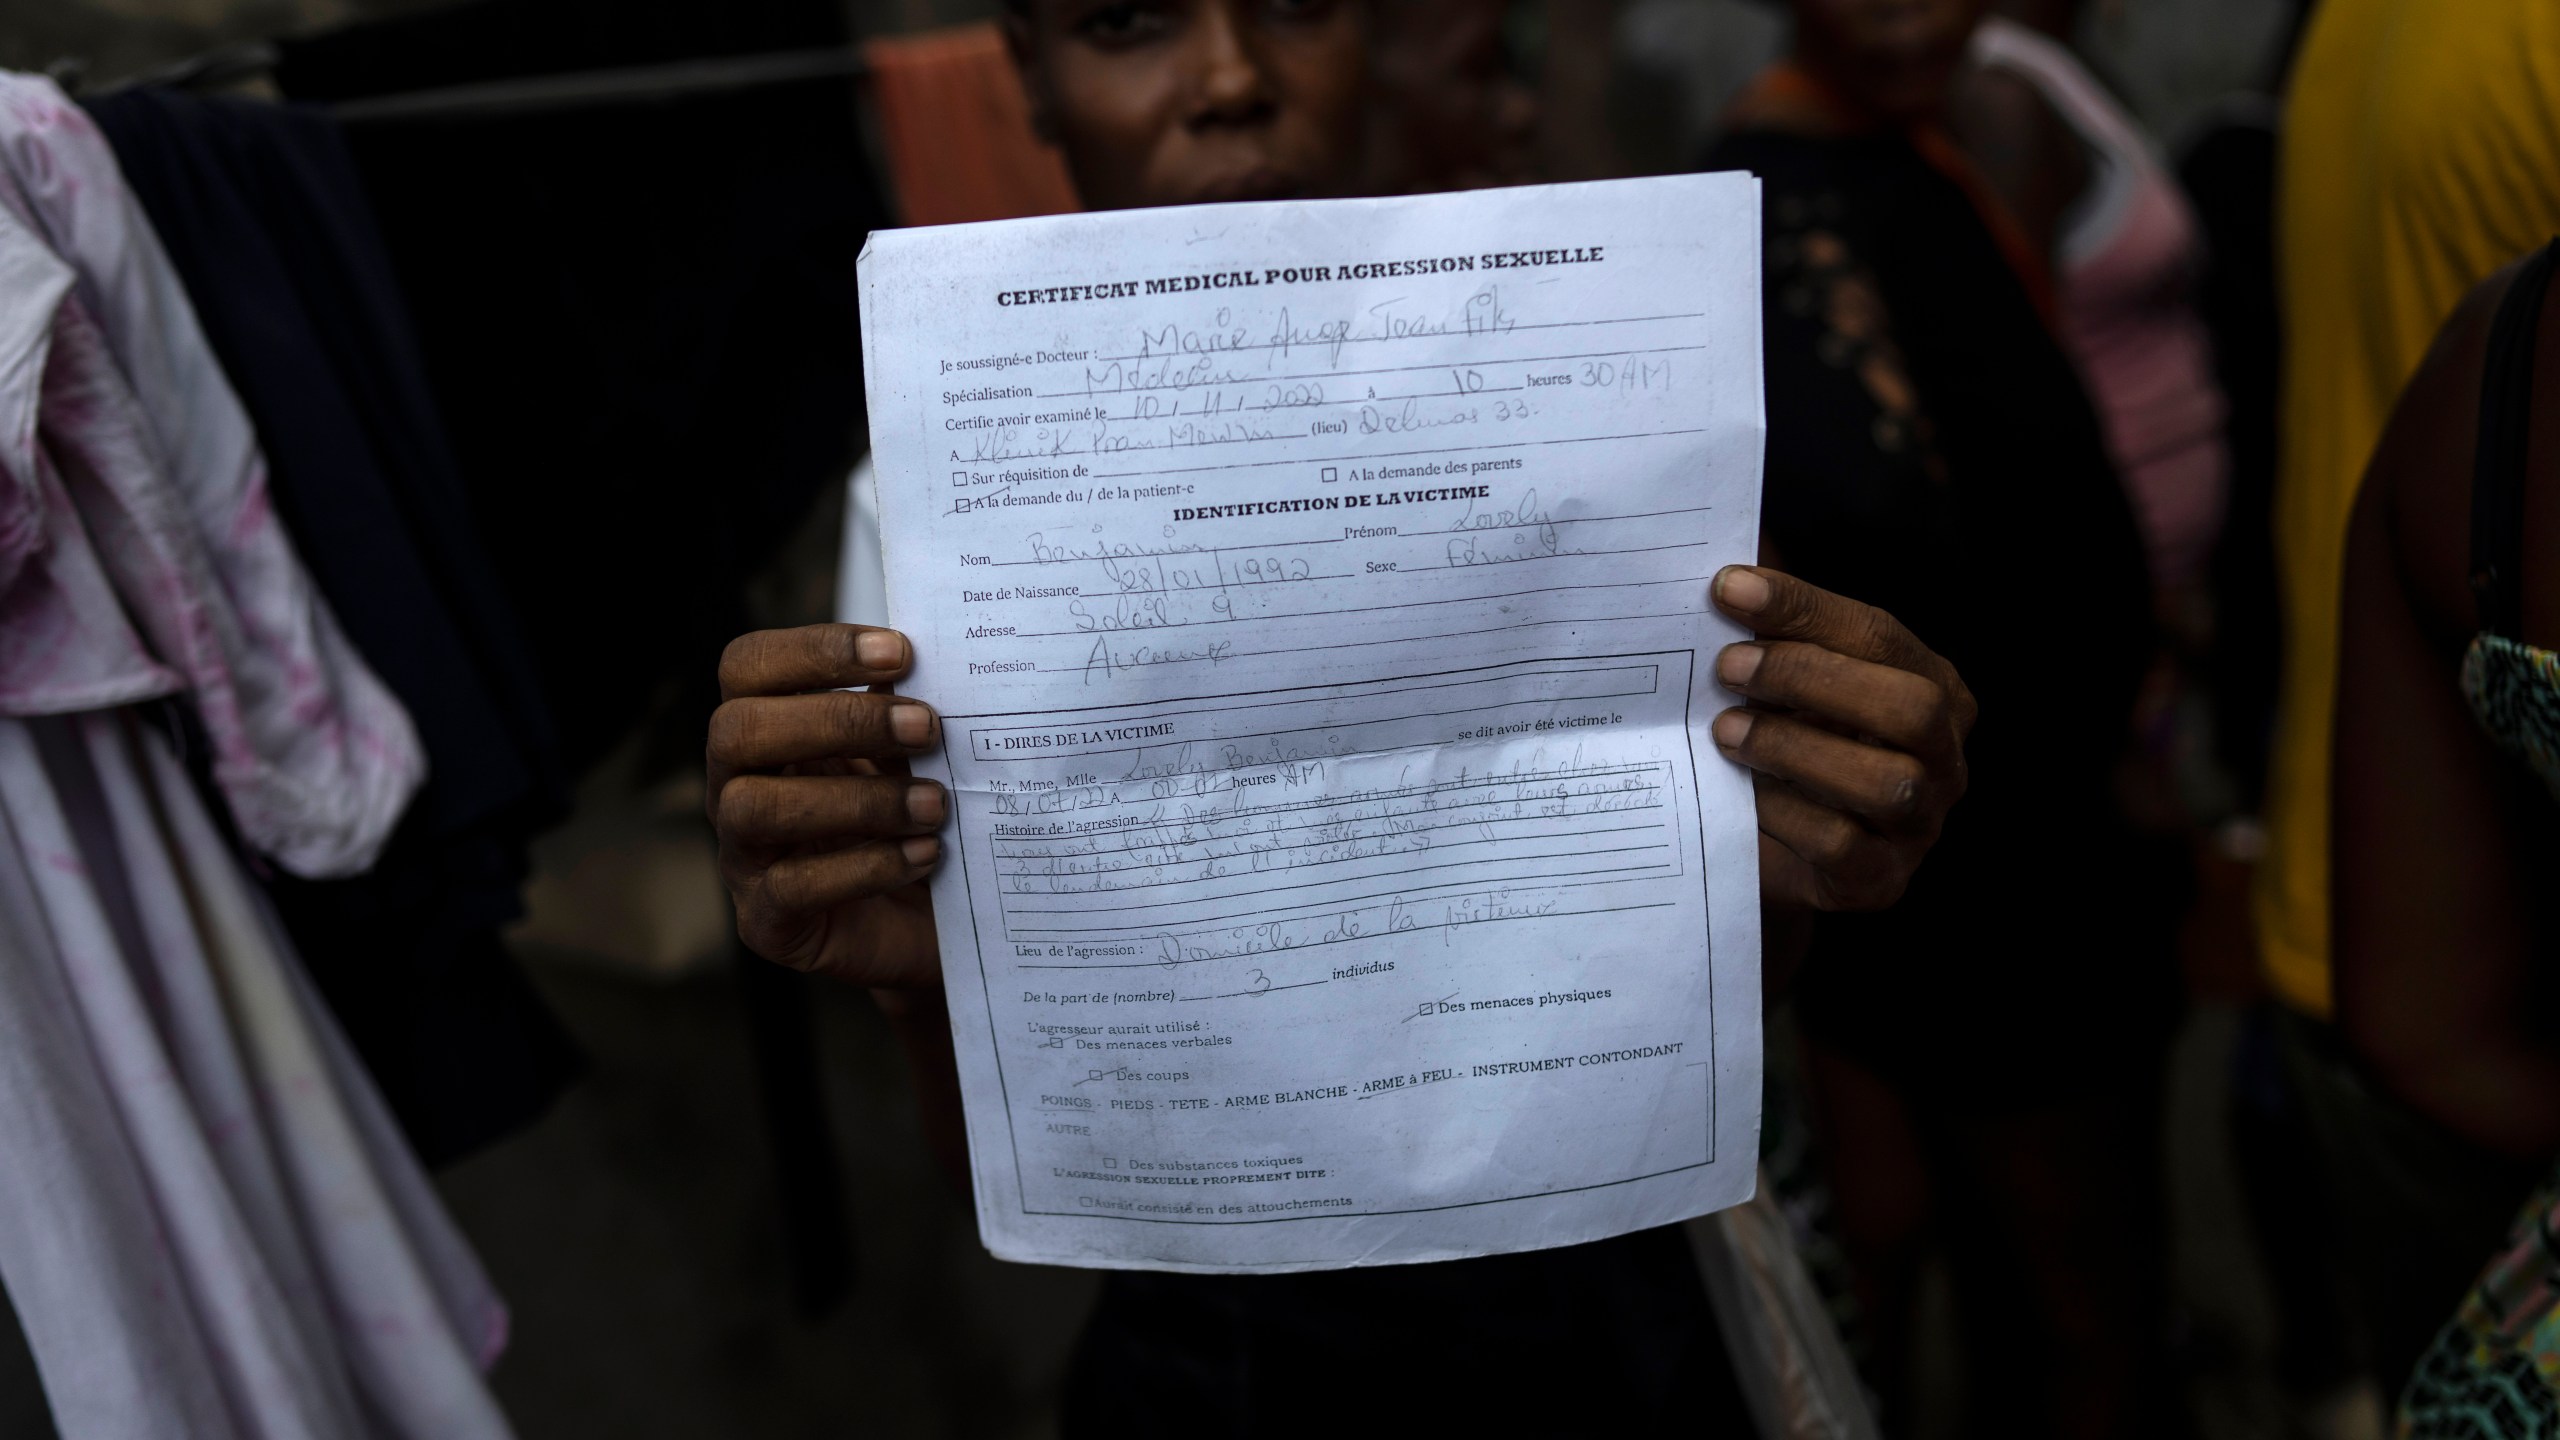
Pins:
x: 958, y: 130
x: 1786, y: 96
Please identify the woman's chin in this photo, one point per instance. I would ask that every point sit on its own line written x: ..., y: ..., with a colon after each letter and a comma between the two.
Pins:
x: 1248, y: 185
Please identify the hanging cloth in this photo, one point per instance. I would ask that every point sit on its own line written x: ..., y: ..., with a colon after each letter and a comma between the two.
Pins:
x: 214, y: 1230
x: 314, y: 757
x: 65, y: 642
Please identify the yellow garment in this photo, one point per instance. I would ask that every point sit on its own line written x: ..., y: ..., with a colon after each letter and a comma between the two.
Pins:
x: 2421, y: 154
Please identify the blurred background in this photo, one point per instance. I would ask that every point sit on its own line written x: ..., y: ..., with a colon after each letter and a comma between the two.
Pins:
x: 701, y: 1184
x: 2170, y: 59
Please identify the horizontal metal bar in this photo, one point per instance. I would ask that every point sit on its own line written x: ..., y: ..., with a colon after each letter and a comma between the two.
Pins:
x: 635, y: 85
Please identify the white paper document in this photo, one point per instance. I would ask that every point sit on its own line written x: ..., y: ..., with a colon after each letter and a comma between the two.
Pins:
x: 1315, y: 598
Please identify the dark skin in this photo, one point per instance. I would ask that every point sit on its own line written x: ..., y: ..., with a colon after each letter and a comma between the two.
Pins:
x: 2057, y: 18
x: 2030, y: 156
x: 1451, y: 114
x: 1855, y: 732
x: 1897, y: 59
x: 1904, y: 61
x: 1187, y: 102
x: 2443, y: 845
x: 2023, y: 147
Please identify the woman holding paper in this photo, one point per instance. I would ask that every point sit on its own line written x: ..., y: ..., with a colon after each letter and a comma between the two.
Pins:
x: 1856, y: 731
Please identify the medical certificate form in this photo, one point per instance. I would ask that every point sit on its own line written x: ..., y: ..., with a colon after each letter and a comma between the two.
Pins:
x: 1315, y: 599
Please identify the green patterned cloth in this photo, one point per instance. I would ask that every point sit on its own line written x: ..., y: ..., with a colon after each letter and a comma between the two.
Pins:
x: 2494, y: 1373
x: 2514, y: 690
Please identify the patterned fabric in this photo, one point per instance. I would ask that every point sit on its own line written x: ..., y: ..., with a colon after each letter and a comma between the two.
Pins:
x: 139, y: 549
x: 2514, y: 690
x: 2494, y: 1374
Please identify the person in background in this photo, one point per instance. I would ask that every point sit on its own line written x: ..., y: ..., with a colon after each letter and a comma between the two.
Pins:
x: 2421, y: 151
x: 2126, y: 255
x: 1985, y: 1059
x: 1856, y: 736
x: 2079, y: 173
x: 2447, y: 837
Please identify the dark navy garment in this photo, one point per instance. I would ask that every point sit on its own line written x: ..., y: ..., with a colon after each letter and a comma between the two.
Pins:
x: 260, y: 210
x: 1613, y: 1338
x: 1931, y: 451
x: 638, y: 317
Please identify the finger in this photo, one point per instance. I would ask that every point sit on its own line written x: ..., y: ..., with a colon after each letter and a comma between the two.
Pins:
x: 1883, y: 787
x: 786, y: 908
x: 770, y: 732
x: 1900, y: 708
x: 1850, y: 866
x: 1780, y: 607
x: 891, y: 945
x: 835, y: 910
x: 779, y: 811
x: 812, y: 657
x: 814, y: 882
x: 1786, y: 880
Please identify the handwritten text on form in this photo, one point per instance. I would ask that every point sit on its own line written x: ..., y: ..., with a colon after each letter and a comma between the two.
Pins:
x: 1315, y: 597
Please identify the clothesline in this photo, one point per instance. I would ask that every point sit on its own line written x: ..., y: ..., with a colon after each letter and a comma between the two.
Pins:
x: 636, y: 85
x: 938, y: 94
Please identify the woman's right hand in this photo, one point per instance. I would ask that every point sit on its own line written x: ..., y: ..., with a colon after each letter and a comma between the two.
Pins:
x: 824, y: 838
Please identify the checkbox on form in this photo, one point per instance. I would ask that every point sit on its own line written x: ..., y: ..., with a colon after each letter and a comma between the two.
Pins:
x: 1330, y: 475
x: 960, y: 479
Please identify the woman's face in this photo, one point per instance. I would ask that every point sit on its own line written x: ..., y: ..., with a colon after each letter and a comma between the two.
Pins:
x: 1177, y: 102
x: 1896, y: 57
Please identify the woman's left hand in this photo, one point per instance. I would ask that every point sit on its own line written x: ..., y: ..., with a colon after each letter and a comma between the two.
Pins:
x: 1855, y: 733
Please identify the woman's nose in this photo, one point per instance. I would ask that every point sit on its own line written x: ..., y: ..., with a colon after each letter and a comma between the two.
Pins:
x: 1233, y: 83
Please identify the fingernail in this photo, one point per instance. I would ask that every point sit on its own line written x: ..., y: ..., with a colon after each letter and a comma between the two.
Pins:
x: 1741, y: 590
x: 1732, y: 728
x: 921, y: 851
x: 880, y: 649
x: 924, y: 804
x: 911, y: 724
x: 1738, y: 664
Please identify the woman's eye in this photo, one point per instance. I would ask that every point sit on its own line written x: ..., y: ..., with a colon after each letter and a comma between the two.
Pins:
x: 1299, y: 9
x: 1123, y: 22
